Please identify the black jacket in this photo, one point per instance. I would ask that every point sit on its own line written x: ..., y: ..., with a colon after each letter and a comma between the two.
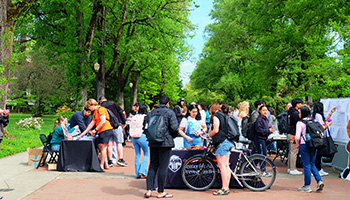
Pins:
x: 178, y: 113
x: 116, y: 109
x: 171, y: 123
x: 294, y: 118
x: 262, y: 128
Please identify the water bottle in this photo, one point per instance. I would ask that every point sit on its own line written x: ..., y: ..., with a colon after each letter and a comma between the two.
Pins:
x: 308, y: 137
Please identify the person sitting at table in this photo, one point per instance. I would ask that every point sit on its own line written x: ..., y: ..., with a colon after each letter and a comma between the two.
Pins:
x: 60, y: 130
x: 81, y: 118
x: 103, y: 128
x: 192, y: 127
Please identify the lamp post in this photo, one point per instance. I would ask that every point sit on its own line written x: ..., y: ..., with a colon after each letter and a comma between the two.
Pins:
x: 144, y: 97
x: 130, y: 85
x: 96, y: 68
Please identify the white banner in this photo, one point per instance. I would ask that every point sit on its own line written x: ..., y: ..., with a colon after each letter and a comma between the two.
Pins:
x: 340, y: 117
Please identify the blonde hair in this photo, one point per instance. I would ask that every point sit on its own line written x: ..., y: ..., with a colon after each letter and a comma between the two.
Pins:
x: 91, y: 102
x: 58, y: 122
x: 244, y: 107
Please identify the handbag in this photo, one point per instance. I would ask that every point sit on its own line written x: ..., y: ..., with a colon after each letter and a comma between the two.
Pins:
x: 330, y: 148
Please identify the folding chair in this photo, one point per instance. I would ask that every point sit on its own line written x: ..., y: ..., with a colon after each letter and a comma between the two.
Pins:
x: 47, y: 150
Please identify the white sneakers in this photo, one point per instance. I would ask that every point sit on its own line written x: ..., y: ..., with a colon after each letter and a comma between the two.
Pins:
x: 323, y: 173
x: 294, y: 172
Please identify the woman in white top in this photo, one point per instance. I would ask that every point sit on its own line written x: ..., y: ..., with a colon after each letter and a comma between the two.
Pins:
x: 139, y: 141
x: 192, y: 127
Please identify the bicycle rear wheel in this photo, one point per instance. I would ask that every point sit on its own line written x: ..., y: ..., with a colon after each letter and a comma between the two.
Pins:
x: 259, y: 174
x: 199, y: 174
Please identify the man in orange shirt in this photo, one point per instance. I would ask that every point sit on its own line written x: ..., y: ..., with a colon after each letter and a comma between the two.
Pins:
x: 103, y: 128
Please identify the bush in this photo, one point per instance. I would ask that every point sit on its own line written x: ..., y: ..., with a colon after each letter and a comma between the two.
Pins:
x: 64, y: 111
x: 30, y: 123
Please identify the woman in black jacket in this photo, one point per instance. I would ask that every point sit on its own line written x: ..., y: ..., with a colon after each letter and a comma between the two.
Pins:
x: 262, y: 130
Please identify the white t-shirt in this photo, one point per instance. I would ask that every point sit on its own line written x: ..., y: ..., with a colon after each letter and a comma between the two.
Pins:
x: 193, y: 124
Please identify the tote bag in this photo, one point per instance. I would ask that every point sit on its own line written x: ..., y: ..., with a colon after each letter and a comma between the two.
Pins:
x: 329, y: 149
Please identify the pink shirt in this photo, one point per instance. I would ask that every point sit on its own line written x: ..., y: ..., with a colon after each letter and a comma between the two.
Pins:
x: 300, y: 132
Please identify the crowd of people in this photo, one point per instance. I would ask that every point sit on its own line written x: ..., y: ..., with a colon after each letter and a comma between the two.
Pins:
x: 192, y: 123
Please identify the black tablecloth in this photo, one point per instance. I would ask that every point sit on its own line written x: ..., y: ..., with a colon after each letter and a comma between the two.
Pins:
x: 78, y: 155
x: 179, y: 157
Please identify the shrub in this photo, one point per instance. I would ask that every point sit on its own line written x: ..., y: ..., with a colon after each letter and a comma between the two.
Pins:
x: 30, y: 123
x: 64, y: 111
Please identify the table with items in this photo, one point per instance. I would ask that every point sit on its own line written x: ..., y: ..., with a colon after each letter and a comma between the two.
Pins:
x: 282, y: 147
x: 179, y: 157
x: 78, y: 156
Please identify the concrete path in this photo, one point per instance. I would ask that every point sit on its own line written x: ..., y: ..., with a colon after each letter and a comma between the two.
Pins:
x: 20, y: 181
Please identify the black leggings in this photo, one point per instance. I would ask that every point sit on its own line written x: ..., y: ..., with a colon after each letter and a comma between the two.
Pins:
x: 160, y: 157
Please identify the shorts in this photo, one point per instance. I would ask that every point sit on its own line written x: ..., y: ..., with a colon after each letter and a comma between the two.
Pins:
x: 224, y: 148
x: 118, y: 135
x: 105, y: 136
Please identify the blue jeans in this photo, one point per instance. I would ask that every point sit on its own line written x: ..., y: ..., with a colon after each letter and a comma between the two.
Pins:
x: 197, y: 141
x: 141, y: 143
x: 55, y: 147
x: 260, y: 145
x: 308, y: 157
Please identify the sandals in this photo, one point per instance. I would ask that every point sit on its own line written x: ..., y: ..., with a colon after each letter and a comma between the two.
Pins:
x: 221, y: 192
x: 166, y: 195
x: 148, y: 195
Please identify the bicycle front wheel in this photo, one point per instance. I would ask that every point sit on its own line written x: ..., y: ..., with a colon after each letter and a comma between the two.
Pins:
x: 259, y: 173
x: 199, y: 174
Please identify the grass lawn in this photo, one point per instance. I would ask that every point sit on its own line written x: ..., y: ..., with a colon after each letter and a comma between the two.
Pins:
x: 21, y: 139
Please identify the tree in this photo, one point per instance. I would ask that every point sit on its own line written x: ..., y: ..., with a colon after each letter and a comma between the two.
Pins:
x: 10, y: 10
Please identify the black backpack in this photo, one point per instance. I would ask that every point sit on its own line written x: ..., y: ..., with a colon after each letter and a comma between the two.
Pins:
x: 113, y: 120
x: 232, y: 128
x: 251, y: 130
x: 155, y: 128
x: 244, y: 126
x: 315, y: 130
x: 283, y: 122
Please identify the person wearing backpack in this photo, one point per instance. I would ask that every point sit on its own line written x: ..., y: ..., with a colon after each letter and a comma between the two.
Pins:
x: 222, y: 145
x: 308, y: 155
x: 115, y: 146
x: 293, y: 150
x: 160, y: 152
x: 192, y: 127
x: 103, y: 128
x: 139, y: 141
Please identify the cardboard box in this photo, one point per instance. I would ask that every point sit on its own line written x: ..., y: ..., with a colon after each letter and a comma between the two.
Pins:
x: 34, y: 156
x: 52, y: 167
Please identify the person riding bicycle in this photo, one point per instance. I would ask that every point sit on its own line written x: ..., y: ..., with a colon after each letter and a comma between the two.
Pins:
x: 222, y: 144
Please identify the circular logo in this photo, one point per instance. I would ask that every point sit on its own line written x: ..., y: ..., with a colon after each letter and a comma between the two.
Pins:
x: 175, y: 163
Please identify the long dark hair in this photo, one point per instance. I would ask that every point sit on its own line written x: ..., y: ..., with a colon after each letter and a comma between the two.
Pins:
x: 191, y: 107
x: 305, y: 112
x: 143, y: 109
x: 318, y: 108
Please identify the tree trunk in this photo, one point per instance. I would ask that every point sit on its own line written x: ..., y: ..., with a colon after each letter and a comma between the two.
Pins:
x: 137, y: 76
x: 101, y: 26
x: 9, y: 13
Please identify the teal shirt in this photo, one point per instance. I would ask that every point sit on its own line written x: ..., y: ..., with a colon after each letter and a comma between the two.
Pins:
x: 58, y: 135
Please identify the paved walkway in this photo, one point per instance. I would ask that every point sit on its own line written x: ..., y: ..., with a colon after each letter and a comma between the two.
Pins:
x: 20, y: 181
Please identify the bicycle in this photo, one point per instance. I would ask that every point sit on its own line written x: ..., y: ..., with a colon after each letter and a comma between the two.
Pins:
x: 256, y: 172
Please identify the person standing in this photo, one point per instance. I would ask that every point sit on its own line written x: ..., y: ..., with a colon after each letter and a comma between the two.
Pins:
x: 308, y: 155
x: 160, y: 152
x: 318, y: 116
x: 293, y: 146
x: 179, y: 109
x: 4, y: 121
x: 222, y: 145
x: 192, y: 127
x: 103, y: 128
x: 81, y: 118
x: 139, y: 141
x: 115, y: 146
x: 262, y: 130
